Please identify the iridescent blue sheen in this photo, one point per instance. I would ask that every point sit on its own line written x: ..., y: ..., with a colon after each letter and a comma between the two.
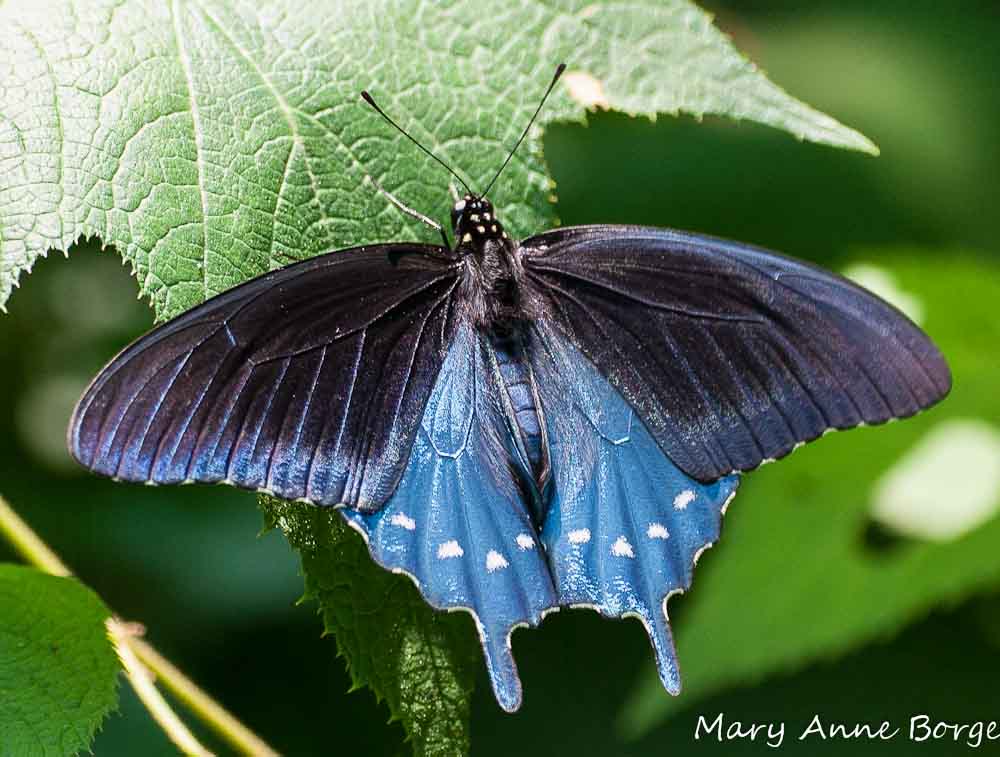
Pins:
x: 457, y: 524
x: 623, y: 524
x: 518, y: 426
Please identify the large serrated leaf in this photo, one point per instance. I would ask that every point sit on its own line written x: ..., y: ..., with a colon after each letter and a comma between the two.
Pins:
x: 793, y: 579
x: 58, y: 668
x: 212, y: 140
x: 420, y: 661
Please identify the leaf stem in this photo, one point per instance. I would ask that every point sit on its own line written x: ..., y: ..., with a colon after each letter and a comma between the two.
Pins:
x: 201, y: 703
x: 145, y: 688
x: 140, y: 659
x: 28, y: 544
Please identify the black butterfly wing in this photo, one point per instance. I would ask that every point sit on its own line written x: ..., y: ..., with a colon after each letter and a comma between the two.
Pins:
x: 732, y: 355
x: 309, y: 382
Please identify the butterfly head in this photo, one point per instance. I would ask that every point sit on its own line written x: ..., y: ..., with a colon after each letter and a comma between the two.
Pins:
x: 474, y: 221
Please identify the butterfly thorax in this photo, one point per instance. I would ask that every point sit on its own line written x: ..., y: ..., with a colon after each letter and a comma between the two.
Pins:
x: 491, y: 287
x: 496, y: 302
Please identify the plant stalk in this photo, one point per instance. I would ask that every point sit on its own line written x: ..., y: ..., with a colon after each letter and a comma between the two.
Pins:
x: 199, y: 702
x: 145, y: 688
x: 141, y: 661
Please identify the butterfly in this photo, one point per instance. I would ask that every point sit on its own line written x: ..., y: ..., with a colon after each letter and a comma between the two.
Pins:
x: 516, y: 426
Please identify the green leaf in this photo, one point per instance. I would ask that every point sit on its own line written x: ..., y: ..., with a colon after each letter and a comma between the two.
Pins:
x: 58, y: 669
x: 420, y: 661
x: 212, y: 140
x: 793, y: 579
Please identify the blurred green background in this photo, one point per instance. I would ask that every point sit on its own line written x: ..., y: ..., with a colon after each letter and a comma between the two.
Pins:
x: 807, y: 606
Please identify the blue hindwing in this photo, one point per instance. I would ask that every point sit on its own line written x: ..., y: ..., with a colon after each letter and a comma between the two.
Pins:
x: 457, y: 524
x: 624, y: 525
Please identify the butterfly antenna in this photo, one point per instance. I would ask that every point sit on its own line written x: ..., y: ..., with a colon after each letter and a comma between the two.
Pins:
x: 559, y: 72
x: 368, y: 99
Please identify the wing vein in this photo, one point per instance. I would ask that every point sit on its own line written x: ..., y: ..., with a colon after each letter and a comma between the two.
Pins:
x: 303, y: 415
x: 263, y: 418
x: 347, y: 409
x: 132, y: 399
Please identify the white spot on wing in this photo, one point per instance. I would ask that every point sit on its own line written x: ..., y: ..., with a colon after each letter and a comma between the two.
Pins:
x: 657, y: 531
x: 621, y: 548
x: 450, y: 549
x: 495, y: 561
x: 579, y: 536
x: 586, y: 90
x: 683, y: 499
x: 525, y: 542
x: 946, y: 486
x: 403, y: 521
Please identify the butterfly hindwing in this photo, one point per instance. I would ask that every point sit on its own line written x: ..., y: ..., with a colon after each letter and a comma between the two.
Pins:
x: 457, y: 523
x: 378, y: 380
x: 733, y: 355
x: 624, y: 526
x: 308, y: 382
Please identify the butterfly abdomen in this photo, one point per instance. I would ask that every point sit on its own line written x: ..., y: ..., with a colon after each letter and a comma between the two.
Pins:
x: 517, y: 380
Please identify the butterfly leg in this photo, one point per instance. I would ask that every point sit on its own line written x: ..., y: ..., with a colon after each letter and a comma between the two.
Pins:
x: 407, y: 210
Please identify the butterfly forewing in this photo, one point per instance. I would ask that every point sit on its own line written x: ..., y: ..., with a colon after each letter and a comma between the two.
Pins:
x: 308, y: 382
x: 659, y: 363
x: 516, y: 427
x: 730, y: 354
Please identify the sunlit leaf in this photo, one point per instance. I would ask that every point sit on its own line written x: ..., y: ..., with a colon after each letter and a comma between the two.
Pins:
x: 211, y: 141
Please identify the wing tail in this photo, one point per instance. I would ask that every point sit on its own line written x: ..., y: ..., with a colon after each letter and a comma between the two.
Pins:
x: 625, y: 526
x: 457, y: 524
